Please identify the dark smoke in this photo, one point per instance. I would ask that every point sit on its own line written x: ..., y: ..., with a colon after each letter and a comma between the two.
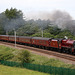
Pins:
x: 70, y: 25
x: 60, y: 18
x: 14, y: 24
x: 9, y: 25
x: 63, y: 20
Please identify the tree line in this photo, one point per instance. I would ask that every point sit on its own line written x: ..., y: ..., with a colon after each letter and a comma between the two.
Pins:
x: 13, y: 19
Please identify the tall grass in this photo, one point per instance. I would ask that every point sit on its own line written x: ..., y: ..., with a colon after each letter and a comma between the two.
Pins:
x: 6, y: 53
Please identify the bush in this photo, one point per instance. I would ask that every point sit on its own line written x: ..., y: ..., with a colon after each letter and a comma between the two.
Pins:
x: 25, y: 56
x: 6, y: 56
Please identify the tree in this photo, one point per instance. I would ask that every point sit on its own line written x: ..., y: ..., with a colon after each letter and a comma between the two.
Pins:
x: 54, y: 30
x: 13, y: 19
x: 64, y: 33
x: 2, y: 30
x: 37, y: 34
x: 27, y: 30
x: 13, y: 13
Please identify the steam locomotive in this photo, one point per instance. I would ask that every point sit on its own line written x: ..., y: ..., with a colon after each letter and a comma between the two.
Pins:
x: 60, y: 45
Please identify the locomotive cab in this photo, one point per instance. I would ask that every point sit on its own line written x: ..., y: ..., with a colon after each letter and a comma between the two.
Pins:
x: 74, y: 46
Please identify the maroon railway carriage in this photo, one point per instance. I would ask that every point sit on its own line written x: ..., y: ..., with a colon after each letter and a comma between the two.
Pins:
x: 12, y: 38
x: 24, y: 39
x: 41, y: 42
x: 4, y: 37
x: 56, y: 44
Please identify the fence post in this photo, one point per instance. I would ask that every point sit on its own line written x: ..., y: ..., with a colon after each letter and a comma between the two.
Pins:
x: 62, y: 71
x: 69, y: 71
x: 44, y: 68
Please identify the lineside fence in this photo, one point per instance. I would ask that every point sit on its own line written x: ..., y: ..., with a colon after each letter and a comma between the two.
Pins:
x: 41, y: 68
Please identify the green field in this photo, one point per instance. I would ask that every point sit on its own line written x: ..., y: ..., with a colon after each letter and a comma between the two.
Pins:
x: 5, y: 70
x: 37, y: 59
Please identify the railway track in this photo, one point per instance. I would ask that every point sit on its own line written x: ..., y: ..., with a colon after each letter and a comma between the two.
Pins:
x: 61, y: 55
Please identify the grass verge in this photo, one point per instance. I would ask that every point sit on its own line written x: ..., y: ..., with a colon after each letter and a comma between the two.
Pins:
x: 5, y: 70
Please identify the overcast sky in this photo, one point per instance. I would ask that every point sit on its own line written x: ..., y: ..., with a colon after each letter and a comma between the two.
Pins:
x: 31, y: 7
